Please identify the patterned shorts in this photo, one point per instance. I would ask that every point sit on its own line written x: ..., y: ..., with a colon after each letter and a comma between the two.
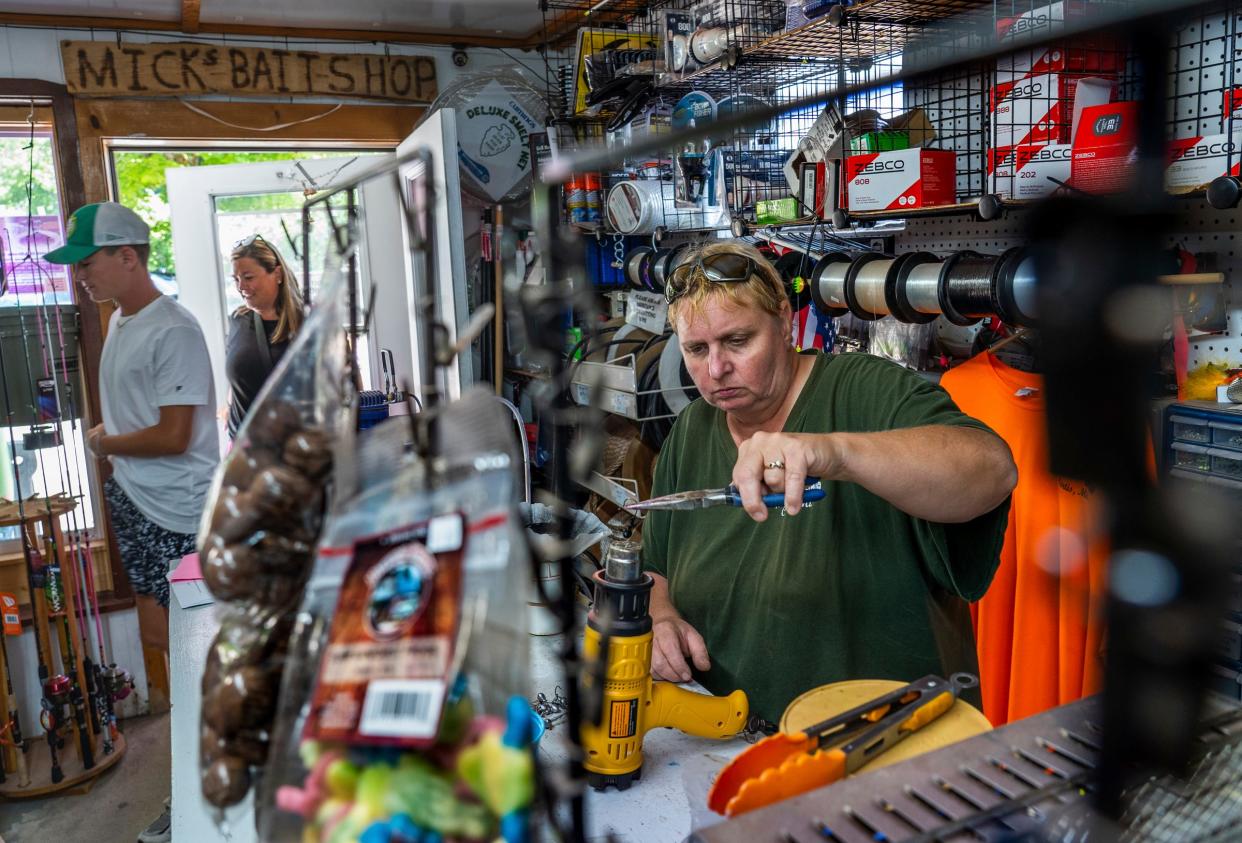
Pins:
x: 147, y: 549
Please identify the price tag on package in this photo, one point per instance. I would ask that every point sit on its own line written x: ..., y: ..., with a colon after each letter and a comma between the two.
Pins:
x: 385, y: 670
x: 648, y: 311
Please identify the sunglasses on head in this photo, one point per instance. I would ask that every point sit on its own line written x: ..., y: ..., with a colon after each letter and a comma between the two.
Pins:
x: 722, y: 268
x: 247, y: 241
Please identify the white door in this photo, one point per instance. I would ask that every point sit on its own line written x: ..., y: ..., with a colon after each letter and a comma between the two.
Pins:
x: 438, y: 133
x: 214, y: 207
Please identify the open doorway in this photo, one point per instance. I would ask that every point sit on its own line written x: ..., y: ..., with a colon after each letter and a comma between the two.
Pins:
x: 201, y: 202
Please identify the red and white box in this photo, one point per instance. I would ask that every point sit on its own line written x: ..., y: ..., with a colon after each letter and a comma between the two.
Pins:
x: 901, y: 179
x: 1105, y: 147
x: 1233, y: 99
x: 1032, y: 171
x: 1096, y: 55
x: 1195, y: 162
x: 1043, y: 109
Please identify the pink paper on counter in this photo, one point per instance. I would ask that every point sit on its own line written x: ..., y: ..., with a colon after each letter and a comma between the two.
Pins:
x: 187, y: 570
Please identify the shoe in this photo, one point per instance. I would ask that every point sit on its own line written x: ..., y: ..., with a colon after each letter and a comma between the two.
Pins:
x: 159, y: 831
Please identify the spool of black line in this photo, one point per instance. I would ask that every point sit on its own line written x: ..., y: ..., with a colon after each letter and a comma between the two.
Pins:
x: 828, y: 284
x: 918, y: 267
x: 965, y: 290
x: 864, y: 285
x: 795, y: 270
x: 665, y: 261
x: 1014, y: 288
x: 634, y: 260
x: 656, y: 265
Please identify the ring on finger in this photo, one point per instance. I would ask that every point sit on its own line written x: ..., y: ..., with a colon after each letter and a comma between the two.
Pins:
x: 776, y: 464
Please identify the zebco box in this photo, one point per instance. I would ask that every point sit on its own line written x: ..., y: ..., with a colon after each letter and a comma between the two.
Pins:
x: 1096, y: 54
x: 1105, y: 148
x: 1042, y: 109
x: 901, y: 179
x: 1031, y: 171
x: 1196, y: 161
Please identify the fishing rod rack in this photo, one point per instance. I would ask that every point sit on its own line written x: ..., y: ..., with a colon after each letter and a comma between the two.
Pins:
x: 80, y: 738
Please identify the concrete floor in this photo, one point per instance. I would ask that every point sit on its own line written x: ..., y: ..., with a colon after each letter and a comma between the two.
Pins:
x: 121, y: 804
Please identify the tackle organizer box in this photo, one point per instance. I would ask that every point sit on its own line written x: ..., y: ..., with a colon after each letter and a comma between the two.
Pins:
x: 1203, y: 441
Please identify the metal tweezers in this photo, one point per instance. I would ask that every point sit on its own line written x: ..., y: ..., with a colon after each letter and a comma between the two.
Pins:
x: 728, y: 496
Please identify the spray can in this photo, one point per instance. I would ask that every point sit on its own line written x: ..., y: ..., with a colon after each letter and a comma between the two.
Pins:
x: 576, y: 199
x: 594, y: 200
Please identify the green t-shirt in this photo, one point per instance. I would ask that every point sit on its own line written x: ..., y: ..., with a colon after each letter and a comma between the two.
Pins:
x: 851, y: 587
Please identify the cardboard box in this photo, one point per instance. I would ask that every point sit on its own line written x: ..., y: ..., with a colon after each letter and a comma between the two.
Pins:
x: 1098, y: 54
x: 1031, y: 171
x: 1105, y: 147
x: 1194, y: 162
x: 775, y: 211
x: 1233, y: 99
x: 1043, y: 109
x: 817, y: 188
x: 901, y: 180
x: 885, y: 141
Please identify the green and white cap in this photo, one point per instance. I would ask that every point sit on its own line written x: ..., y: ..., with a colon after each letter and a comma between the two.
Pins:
x: 92, y: 227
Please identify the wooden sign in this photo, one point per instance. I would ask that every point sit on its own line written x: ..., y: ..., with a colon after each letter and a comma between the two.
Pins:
x: 109, y: 69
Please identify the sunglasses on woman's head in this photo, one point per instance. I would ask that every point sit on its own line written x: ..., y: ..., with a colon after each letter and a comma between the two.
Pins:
x: 246, y: 241
x: 722, y: 268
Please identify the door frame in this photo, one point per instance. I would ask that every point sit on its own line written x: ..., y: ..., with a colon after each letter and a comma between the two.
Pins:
x: 192, y: 192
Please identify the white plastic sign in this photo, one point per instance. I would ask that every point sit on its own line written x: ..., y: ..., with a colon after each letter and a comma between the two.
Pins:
x: 493, y: 133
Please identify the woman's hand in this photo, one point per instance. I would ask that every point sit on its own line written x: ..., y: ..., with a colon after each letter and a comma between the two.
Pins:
x: 673, y: 639
x: 781, y: 462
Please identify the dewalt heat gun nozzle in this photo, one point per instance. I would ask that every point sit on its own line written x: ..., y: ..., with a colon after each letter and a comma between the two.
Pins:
x: 633, y: 703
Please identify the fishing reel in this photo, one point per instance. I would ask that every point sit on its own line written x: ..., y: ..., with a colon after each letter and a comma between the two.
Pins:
x: 56, y: 692
x: 116, y: 681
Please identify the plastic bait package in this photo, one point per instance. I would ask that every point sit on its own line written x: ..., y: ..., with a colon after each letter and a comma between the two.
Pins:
x: 256, y: 545
x: 402, y: 714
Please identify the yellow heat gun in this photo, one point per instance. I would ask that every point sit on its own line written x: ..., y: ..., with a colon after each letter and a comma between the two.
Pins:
x: 633, y: 703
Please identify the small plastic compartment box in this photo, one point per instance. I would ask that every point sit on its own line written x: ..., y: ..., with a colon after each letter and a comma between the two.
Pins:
x: 1226, y: 434
x: 1230, y: 644
x: 1192, y: 457
x: 1190, y: 429
x: 1225, y: 681
x: 1227, y: 463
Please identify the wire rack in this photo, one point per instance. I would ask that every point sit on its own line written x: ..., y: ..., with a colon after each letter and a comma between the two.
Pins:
x: 1205, y: 90
x: 1002, y: 130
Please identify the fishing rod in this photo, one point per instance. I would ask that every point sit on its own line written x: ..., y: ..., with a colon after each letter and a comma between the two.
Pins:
x: 34, y: 582
x: 57, y: 577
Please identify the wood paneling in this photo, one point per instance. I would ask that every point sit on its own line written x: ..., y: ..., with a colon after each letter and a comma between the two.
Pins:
x: 189, y: 15
x: 179, y: 68
x: 468, y: 39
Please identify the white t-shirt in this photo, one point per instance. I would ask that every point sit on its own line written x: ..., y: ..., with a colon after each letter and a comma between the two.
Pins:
x: 158, y: 358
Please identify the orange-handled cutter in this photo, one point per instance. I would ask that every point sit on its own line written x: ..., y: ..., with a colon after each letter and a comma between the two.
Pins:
x: 787, y: 764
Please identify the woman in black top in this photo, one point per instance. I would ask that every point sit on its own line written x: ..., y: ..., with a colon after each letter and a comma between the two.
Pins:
x: 262, y: 328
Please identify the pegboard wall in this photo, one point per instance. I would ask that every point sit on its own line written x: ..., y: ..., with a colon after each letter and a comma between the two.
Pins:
x: 1201, y: 229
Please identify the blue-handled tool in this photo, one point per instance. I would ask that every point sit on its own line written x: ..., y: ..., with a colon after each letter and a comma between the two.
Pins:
x: 728, y: 496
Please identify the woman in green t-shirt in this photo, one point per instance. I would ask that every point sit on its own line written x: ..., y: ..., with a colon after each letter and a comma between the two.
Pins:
x: 870, y: 582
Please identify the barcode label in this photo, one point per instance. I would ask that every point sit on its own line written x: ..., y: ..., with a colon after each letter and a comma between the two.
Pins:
x: 444, y: 533
x: 402, y: 708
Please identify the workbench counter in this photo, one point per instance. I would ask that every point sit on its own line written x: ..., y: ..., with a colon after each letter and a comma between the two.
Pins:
x: 663, y: 807
x: 671, y: 798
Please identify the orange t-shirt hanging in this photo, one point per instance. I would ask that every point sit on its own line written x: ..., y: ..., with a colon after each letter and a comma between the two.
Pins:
x: 1040, y: 627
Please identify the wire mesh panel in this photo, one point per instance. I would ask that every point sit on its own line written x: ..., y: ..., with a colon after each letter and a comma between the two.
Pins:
x: 1204, y: 93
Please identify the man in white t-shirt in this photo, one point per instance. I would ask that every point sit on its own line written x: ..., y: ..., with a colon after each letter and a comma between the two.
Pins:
x: 159, y: 407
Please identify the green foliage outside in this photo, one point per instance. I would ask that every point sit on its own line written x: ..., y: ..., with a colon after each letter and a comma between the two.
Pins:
x: 140, y: 183
x: 15, y: 169
x: 141, y: 186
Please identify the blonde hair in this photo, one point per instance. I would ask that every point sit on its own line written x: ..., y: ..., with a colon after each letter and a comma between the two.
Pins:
x: 763, y: 290
x: 289, y: 308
